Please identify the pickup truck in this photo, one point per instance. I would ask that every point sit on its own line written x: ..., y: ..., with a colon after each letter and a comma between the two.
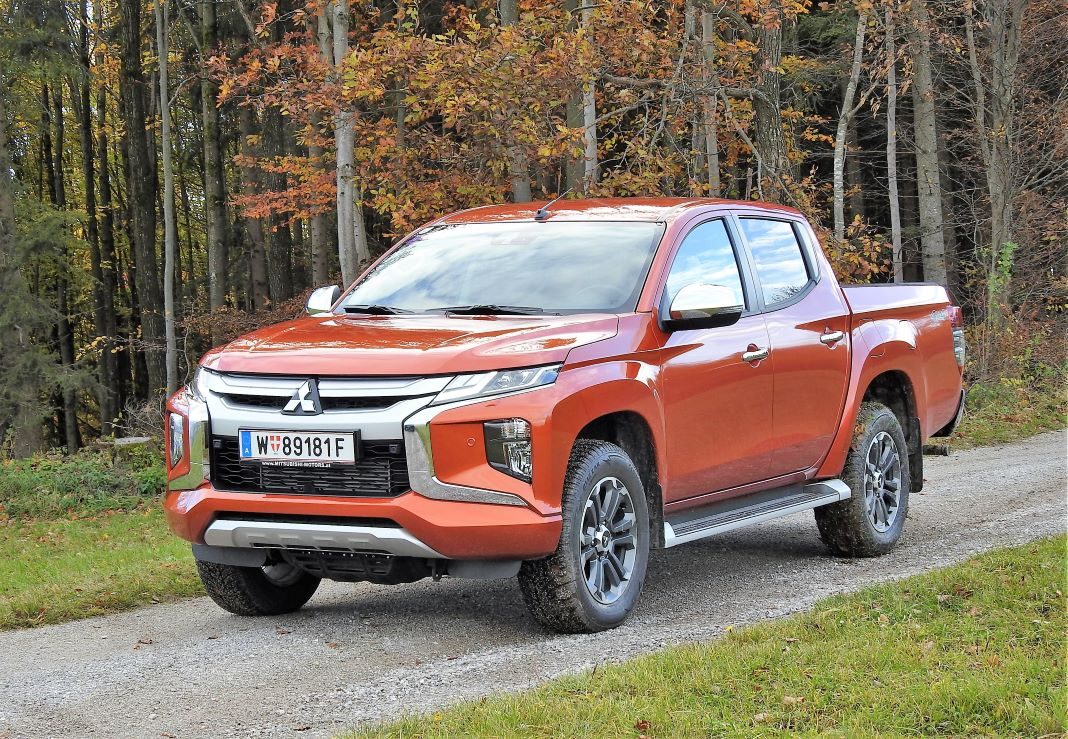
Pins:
x: 552, y: 392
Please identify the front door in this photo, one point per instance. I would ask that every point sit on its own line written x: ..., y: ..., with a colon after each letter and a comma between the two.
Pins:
x: 808, y: 325
x: 717, y: 405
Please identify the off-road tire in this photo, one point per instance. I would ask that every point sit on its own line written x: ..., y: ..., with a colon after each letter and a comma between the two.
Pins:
x: 554, y: 588
x: 247, y: 591
x: 845, y: 526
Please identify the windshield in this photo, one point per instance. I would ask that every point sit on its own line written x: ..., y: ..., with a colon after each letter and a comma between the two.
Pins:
x: 475, y: 268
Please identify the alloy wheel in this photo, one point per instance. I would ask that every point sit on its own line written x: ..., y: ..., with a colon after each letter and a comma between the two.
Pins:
x: 608, y: 551
x: 882, y: 481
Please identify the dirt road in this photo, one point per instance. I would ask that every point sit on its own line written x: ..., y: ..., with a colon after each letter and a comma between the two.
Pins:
x: 363, y: 652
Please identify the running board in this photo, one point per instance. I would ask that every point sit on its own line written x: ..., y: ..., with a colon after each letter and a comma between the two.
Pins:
x: 728, y: 515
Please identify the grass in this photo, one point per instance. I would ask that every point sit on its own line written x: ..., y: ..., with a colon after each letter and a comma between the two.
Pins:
x: 60, y: 569
x: 90, y: 482
x: 1005, y: 410
x: 975, y: 649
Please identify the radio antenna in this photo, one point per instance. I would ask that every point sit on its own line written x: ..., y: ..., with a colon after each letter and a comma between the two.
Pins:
x: 543, y: 212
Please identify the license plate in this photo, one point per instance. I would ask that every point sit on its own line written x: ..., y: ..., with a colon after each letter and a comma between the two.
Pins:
x: 298, y: 447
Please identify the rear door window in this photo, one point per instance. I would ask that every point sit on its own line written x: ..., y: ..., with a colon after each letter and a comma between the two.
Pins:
x: 777, y: 258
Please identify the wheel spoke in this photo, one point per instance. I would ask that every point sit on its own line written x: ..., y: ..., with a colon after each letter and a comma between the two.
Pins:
x: 595, y: 504
x: 887, y: 457
x: 626, y: 541
x: 611, y: 505
x: 615, y: 568
x: 622, y: 525
x: 595, y: 578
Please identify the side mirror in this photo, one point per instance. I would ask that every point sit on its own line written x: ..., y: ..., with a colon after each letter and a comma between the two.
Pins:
x: 322, y: 300
x: 702, y: 306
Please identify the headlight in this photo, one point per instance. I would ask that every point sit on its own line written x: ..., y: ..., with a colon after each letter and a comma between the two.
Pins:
x: 463, y: 387
x: 198, y: 387
x: 508, y: 447
x: 176, y: 430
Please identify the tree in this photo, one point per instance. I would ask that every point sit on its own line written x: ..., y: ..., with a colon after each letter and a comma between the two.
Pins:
x: 844, y: 118
x: 894, y: 203
x: 170, y: 227
x: 925, y: 132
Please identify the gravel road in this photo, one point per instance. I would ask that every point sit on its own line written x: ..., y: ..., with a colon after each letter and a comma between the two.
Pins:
x: 365, y: 652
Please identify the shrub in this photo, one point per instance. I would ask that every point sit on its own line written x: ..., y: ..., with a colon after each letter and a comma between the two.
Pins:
x: 85, y: 483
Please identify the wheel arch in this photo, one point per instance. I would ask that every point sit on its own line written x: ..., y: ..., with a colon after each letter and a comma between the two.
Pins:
x: 632, y: 432
x: 894, y: 389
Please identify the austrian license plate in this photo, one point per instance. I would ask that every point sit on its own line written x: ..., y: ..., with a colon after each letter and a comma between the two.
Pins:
x: 298, y: 447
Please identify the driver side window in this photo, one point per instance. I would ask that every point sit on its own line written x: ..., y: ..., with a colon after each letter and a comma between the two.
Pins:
x: 706, y: 256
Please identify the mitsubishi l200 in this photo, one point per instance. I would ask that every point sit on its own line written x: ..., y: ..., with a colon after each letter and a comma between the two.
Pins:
x: 549, y: 394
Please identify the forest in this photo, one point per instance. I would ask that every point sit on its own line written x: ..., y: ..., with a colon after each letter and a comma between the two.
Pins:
x: 176, y: 172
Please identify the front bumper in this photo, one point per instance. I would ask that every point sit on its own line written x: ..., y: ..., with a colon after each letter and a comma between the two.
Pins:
x: 451, y: 529
x: 459, y: 509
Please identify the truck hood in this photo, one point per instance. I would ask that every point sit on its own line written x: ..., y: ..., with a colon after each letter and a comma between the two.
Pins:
x: 408, y: 345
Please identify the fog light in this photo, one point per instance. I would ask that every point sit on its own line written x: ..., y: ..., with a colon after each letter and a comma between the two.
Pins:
x: 508, y: 447
x: 176, y: 429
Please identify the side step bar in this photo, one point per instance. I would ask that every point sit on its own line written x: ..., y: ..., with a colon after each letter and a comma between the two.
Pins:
x: 733, y: 514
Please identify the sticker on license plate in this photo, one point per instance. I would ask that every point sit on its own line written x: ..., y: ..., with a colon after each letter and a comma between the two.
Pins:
x: 298, y: 447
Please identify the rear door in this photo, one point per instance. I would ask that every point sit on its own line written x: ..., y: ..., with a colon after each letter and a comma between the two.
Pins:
x: 807, y: 321
x: 717, y: 406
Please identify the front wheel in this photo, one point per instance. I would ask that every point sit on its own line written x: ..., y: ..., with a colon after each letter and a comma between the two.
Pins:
x: 593, y: 579
x: 877, y: 470
x: 258, y: 591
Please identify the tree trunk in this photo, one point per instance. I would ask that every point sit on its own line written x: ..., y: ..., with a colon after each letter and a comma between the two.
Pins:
x: 844, y: 119
x: 106, y: 366
x: 589, y: 119
x: 518, y: 166
x: 925, y: 132
x: 257, y: 246
x: 769, y: 141
x: 170, y: 227
x: 107, y: 260
x: 351, y: 231
x: 141, y: 195
x: 891, y: 148
x: 995, y: 124
x: 64, y: 330
x: 708, y: 104
x: 214, y: 188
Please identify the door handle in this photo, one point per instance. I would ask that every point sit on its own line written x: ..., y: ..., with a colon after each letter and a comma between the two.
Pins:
x: 756, y: 355
x: 832, y: 337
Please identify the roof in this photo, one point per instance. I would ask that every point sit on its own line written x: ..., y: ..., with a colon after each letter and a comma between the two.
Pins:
x: 604, y: 209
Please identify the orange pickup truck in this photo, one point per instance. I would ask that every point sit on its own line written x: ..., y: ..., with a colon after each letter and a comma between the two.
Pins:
x: 550, y: 393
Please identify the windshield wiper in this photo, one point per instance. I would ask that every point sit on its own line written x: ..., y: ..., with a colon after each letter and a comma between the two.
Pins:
x: 488, y: 309
x: 375, y: 310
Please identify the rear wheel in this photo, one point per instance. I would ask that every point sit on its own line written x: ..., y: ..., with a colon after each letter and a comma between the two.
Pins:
x: 258, y: 591
x: 877, y: 471
x: 594, y: 578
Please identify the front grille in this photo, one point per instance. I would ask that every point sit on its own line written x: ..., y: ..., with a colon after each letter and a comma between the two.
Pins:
x: 381, y: 472
x: 277, y: 403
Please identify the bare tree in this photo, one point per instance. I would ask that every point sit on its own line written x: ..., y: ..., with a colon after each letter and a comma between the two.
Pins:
x: 891, y: 147
x: 170, y: 227
x: 844, y: 118
x: 925, y: 131
x: 995, y: 128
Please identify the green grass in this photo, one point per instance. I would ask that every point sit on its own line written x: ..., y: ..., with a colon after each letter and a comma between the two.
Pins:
x: 1006, y: 410
x: 92, y: 481
x: 973, y: 650
x: 62, y: 569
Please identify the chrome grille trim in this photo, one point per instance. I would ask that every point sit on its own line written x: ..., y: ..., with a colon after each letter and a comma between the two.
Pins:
x: 379, y: 422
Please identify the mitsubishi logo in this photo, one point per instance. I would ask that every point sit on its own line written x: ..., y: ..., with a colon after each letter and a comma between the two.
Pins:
x: 305, y: 401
